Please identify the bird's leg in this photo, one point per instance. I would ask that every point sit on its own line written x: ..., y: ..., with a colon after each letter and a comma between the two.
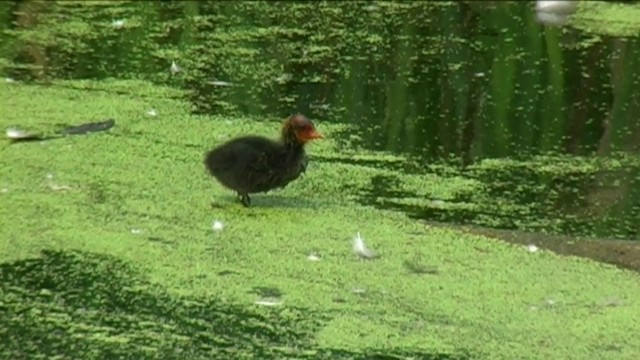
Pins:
x: 245, y: 199
x: 303, y: 165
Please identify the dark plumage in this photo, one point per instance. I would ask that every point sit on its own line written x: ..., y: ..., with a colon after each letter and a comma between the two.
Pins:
x: 254, y: 164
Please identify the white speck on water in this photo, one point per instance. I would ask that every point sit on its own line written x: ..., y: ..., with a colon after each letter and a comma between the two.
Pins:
x: 4, y: 190
x: 313, y: 257
x: 532, y: 248
x: 268, y: 302
x: 437, y: 203
x: 558, y: 7
x: 358, y: 291
x: 219, y: 83
x: 118, y: 24
x: 9, y: 80
x: 360, y: 249
x: 479, y: 74
x: 217, y: 225
x: 136, y: 231
x: 49, y: 176
x: 152, y: 112
x: 174, y: 68
x: 55, y: 187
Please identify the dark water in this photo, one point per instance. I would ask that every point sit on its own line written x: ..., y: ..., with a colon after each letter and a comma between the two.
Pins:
x: 450, y: 83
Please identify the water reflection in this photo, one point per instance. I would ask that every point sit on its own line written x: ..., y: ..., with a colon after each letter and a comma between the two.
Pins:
x: 434, y: 80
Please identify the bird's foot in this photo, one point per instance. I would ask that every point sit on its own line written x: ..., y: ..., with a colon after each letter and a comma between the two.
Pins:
x: 245, y: 199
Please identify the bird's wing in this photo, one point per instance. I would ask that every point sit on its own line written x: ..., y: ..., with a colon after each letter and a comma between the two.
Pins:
x: 229, y: 157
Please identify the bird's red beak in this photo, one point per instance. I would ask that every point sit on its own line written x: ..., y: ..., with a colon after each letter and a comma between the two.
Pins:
x: 310, y: 134
x: 313, y: 134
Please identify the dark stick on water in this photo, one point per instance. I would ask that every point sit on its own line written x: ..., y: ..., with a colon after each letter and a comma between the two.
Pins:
x: 16, y: 135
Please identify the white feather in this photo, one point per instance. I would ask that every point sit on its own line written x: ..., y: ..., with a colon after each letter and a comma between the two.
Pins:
x: 360, y: 249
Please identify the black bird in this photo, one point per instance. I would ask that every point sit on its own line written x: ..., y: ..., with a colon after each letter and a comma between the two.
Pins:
x: 254, y: 164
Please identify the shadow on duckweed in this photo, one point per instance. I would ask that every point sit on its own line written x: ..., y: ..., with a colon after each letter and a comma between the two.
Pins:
x: 624, y: 254
x: 579, y: 210
x: 265, y: 200
x: 88, y: 306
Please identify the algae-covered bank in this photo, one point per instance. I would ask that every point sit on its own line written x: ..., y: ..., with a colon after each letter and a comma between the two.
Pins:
x: 107, y: 251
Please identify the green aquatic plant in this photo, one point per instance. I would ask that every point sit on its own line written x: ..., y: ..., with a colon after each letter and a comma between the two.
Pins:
x: 138, y: 197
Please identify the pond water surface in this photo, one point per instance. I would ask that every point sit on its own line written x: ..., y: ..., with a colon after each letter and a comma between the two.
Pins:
x: 545, y: 117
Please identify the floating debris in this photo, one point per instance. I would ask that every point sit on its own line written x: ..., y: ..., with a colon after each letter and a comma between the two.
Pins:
x: 174, y: 68
x: 53, y: 186
x: 555, y: 12
x: 558, y: 7
x: 283, y: 78
x: 532, y: 248
x: 9, y: 80
x: 268, y: 302
x: 219, y: 83
x: 152, y: 112
x: 118, y: 24
x: 313, y: 257
x: 360, y: 249
x: 544, y: 304
x: 17, y: 134
x: 358, y: 290
x: 319, y: 106
x: 90, y: 127
x: 227, y: 273
x: 217, y: 225
x: 136, y: 231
